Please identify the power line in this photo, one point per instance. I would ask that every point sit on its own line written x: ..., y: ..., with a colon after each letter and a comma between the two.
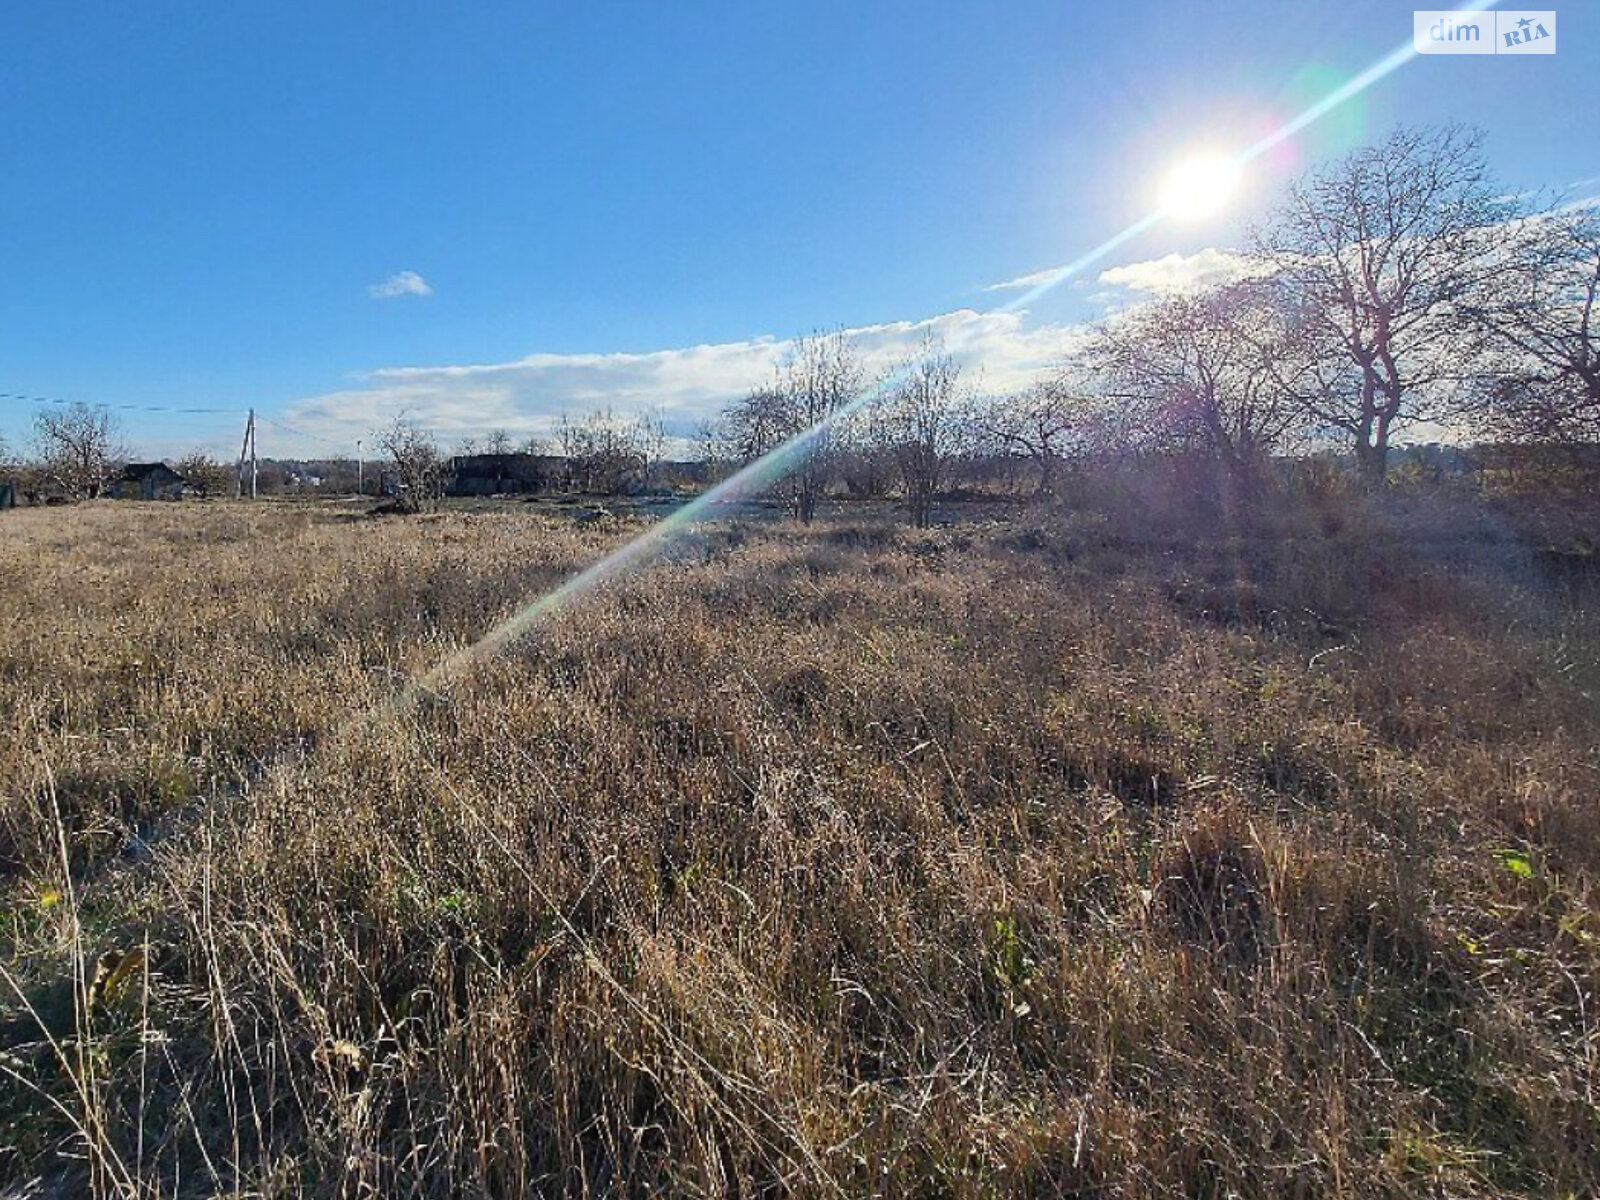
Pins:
x: 229, y: 412
x: 25, y: 398
x: 167, y: 408
x: 292, y: 431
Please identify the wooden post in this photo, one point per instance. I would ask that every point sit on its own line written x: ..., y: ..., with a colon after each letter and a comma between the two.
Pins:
x: 244, y: 448
x: 252, y: 454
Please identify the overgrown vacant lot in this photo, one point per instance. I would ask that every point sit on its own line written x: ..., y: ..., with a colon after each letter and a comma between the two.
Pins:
x: 1073, y: 855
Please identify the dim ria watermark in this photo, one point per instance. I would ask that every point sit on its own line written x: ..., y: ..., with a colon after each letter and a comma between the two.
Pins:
x: 1441, y: 31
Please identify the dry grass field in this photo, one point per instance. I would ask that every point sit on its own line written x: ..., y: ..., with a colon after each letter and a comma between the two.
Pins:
x: 1075, y: 855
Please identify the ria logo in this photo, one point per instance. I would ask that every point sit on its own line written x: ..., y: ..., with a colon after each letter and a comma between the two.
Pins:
x: 1452, y: 31
x: 1528, y: 31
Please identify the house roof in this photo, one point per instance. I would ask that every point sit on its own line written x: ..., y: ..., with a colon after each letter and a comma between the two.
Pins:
x: 501, y: 464
x: 138, y: 472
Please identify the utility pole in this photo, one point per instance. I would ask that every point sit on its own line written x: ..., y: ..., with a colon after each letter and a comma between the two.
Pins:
x: 247, y: 447
x: 360, y: 490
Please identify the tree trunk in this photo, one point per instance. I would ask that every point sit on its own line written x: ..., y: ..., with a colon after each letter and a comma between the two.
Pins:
x: 1372, y: 460
x: 921, y: 506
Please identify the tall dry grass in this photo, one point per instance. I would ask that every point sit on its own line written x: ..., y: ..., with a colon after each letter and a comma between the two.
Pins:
x: 1099, y: 855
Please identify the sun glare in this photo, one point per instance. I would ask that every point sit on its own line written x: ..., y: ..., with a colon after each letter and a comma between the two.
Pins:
x: 1199, y: 187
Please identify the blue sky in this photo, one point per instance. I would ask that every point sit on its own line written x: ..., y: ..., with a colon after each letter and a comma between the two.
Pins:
x: 636, y: 203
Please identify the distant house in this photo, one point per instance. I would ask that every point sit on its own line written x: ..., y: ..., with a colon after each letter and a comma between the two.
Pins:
x: 503, y: 474
x: 148, y: 481
x: 8, y: 495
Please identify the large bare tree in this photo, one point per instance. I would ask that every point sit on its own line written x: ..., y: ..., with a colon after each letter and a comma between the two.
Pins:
x: 1383, y: 254
x: 78, y: 448
x: 1215, y: 369
x: 1543, y: 321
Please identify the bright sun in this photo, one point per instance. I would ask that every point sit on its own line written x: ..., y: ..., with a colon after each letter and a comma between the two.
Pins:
x: 1199, y: 187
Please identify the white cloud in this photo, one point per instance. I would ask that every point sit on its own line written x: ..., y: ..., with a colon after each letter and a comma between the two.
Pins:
x: 1172, y: 273
x: 687, y: 385
x: 1180, y: 272
x: 401, y: 283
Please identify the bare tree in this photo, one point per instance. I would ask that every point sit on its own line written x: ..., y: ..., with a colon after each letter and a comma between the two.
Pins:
x: 1215, y: 369
x: 755, y: 424
x: 1382, y: 254
x: 603, y: 453
x: 923, y: 426
x: 1058, y: 418
x: 417, y: 463
x: 567, y: 436
x: 205, y: 474
x: 821, y: 377
x: 78, y: 447
x: 649, y: 435
x: 498, y: 442
x: 1543, y: 319
x: 818, y: 379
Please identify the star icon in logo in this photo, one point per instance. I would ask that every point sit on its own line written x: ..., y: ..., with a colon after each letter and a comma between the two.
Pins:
x: 1524, y: 23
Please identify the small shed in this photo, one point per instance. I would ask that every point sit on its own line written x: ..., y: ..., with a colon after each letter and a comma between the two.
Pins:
x: 148, y: 481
